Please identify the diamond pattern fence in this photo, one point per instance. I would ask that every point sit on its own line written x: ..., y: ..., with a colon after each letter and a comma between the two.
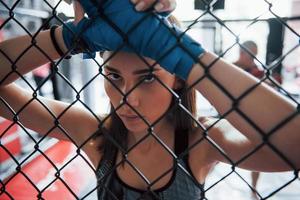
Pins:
x: 11, y: 12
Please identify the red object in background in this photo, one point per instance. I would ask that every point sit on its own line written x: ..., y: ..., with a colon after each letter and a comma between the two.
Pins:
x: 10, y: 140
x: 256, y: 72
x: 42, y: 71
x: 278, y: 78
x: 77, y: 175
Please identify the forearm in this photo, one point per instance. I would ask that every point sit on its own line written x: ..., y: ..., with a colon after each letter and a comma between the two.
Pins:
x: 20, y: 53
x: 14, y: 103
x: 43, y: 114
x: 265, y: 107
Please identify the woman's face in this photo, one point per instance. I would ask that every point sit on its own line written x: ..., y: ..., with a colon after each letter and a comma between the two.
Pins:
x: 150, y: 98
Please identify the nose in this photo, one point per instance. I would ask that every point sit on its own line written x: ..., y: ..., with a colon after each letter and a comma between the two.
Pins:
x: 132, y: 96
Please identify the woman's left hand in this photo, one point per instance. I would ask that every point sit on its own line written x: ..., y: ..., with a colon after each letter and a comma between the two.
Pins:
x: 120, y: 27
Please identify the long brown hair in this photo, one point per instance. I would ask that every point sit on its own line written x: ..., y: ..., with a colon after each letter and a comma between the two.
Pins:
x: 181, y: 107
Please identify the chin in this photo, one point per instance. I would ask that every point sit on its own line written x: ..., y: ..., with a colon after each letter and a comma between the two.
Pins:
x: 139, y: 129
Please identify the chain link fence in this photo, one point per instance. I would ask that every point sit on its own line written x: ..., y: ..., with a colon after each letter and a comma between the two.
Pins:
x: 25, y: 173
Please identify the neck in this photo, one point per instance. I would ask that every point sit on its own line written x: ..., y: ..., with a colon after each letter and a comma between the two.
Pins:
x: 162, y: 130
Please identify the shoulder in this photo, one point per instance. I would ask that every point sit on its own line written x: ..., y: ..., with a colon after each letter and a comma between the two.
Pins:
x: 215, y: 136
x: 201, y: 154
x: 200, y: 147
x: 92, y: 145
x: 91, y: 149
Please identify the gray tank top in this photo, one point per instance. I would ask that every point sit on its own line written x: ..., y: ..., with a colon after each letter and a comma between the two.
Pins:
x: 181, y: 186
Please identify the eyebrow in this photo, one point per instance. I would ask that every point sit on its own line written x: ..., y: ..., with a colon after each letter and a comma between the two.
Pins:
x: 137, y: 72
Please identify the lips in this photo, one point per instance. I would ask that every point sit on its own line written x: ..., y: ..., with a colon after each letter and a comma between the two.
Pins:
x: 129, y: 116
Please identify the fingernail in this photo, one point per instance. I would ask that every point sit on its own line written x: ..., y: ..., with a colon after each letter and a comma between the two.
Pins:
x: 140, y: 6
x: 158, y: 6
x: 133, y: 1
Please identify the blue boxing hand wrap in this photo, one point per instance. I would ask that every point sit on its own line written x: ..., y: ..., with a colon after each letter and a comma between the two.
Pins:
x: 145, y: 33
x: 77, y: 37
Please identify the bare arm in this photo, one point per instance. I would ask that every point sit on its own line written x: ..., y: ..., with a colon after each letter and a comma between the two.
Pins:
x: 263, y: 106
x: 35, y: 115
x: 47, y: 116
x: 24, y: 56
x: 232, y: 147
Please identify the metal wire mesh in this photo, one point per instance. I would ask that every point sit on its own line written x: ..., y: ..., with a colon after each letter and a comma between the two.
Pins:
x: 117, y: 144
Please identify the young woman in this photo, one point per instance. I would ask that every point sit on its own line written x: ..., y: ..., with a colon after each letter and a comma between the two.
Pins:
x: 151, y: 141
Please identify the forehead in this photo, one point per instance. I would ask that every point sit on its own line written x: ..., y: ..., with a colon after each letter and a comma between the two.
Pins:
x: 125, y: 60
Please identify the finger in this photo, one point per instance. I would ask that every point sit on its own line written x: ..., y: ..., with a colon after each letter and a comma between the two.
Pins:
x: 165, y: 5
x: 78, y: 11
x: 159, y: 5
x: 141, y: 5
x: 203, y: 119
x: 207, y: 121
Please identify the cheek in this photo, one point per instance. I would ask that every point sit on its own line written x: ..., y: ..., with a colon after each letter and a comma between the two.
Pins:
x: 159, y: 100
x: 112, y: 93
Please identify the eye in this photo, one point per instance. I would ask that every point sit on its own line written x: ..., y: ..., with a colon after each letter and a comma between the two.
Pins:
x: 149, y: 78
x: 113, y: 76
